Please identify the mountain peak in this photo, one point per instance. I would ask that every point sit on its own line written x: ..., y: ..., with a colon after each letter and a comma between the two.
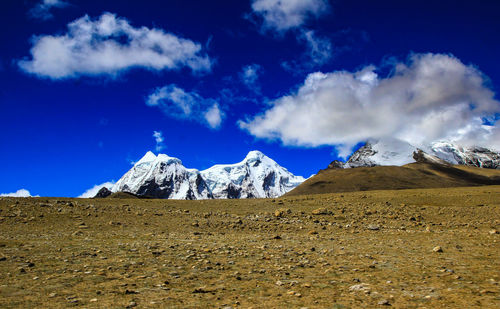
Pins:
x: 398, y: 153
x: 148, y: 157
x: 168, y: 159
x: 163, y: 176
x: 255, y: 154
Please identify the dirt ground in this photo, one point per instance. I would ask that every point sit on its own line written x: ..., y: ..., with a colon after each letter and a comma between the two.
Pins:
x: 432, y: 248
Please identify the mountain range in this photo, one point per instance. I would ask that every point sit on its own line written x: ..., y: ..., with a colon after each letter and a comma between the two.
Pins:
x: 258, y: 176
x: 161, y: 176
x: 396, y: 152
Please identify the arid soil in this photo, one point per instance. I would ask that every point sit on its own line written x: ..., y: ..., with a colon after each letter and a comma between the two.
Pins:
x: 419, y: 248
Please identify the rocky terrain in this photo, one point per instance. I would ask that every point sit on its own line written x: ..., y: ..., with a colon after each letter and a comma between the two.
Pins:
x: 420, y: 248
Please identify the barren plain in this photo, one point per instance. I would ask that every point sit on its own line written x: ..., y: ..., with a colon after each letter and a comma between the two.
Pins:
x: 417, y: 248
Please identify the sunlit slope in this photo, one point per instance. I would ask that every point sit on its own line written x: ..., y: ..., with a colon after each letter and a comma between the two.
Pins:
x: 410, y: 176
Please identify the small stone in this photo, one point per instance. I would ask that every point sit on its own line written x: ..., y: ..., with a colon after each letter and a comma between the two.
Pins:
x: 359, y: 287
x: 132, y: 304
x: 486, y: 292
x: 493, y: 232
x: 438, y: 249
x: 93, y: 300
x: 384, y: 302
x: 282, y: 212
x: 373, y: 227
x: 52, y: 295
x: 201, y: 290
x: 277, y: 237
x: 313, y: 232
x: 320, y: 211
x: 279, y: 283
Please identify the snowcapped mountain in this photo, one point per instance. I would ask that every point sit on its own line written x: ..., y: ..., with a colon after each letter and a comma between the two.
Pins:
x: 396, y: 152
x: 472, y: 156
x: 163, y: 177
x: 384, y: 152
x: 257, y: 176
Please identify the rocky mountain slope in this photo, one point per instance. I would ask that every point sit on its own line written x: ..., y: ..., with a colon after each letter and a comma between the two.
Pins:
x: 396, y: 152
x: 257, y: 176
x: 163, y: 177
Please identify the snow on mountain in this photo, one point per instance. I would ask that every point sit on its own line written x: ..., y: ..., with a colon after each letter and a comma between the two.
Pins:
x: 165, y: 177
x: 472, y: 156
x: 383, y: 152
x: 397, y: 152
x: 257, y: 176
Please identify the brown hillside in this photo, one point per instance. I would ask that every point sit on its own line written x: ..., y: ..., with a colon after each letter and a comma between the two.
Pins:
x: 411, y: 176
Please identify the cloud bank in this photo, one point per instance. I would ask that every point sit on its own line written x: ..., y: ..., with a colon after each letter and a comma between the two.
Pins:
x: 109, y: 45
x: 43, y: 9
x: 177, y: 103
x: 93, y: 191
x: 18, y: 193
x: 430, y: 97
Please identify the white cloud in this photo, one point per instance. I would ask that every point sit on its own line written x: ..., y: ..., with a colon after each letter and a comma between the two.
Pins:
x: 431, y: 97
x: 319, y: 49
x: 250, y: 75
x: 280, y: 15
x: 158, y: 136
x: 177, y: 103
x: 18, y: 193
x: 93, y: 191
x: 109, y: 45
x: 213, y: 116
x: 42, y: 9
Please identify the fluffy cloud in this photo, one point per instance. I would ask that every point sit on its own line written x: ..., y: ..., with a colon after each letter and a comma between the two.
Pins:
x: 428, y: 98
x: 250, y: 75
x: 42, y: 9
x: 158, y: 136
x: 177, y: 103
x: 280, y: 16
x: 93, y: 191
x: 18, y: 193
x: 110, y: 45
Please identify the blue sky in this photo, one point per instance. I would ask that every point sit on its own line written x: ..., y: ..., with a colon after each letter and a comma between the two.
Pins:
x: 87, y: 87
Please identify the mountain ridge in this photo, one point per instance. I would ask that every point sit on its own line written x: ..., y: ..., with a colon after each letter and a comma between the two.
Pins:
x: 398, y: 153
x: 162, y: 176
